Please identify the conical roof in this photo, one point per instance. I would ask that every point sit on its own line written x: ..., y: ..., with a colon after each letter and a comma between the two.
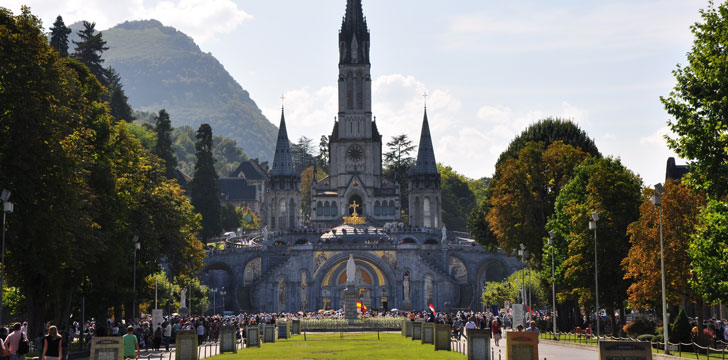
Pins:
x: 282, y: 161
x: 426, y: 163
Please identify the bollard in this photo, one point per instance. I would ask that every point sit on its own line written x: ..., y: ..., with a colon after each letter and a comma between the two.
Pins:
x: 377, y: 334
x: 304, y: 336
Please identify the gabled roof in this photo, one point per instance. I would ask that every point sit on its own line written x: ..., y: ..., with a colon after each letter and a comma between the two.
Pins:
x: 426, y: 163
x: 250, y: 170
x: 236, y: 189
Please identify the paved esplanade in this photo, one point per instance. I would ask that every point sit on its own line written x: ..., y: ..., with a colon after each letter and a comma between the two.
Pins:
x: 550, y: 352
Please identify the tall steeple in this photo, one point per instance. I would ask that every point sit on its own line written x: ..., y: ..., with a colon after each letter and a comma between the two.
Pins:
x: 354, y: 35
x: 426, y: 163
x: 282, y: 161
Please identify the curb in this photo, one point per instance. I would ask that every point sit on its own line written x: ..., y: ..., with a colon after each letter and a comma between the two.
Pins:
x: 594, y: 348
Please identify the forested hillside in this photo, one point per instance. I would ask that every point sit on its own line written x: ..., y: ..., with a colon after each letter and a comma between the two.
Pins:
x: 161, y: 67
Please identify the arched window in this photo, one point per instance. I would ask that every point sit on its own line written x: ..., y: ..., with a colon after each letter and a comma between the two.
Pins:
x: 291, y: 214
x: 418, y: 212
x: 377, y: 208
x: 436, y: 215
x: 427, y: 213
x: 349, y: 92
x: 391, y: 210
x: 319, y: 209
x: 334, y: 209
x: 282, y: 214
x: 359, y: 92
x: 327, y: 209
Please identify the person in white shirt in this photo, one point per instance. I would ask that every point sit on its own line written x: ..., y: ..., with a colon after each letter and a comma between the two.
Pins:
x: 167, y: 336
x: 200, y: 333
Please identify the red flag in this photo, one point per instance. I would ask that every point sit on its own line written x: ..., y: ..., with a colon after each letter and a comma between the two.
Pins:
x: 358, y: 304
x: 432, y: 308
x: 529, y: 309
x: 363, y: 307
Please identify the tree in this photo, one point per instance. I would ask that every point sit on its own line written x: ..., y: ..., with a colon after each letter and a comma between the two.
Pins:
x: 547, y: 131
x: 89, y: 50
x: 163, y: 147
x: 204, y: 189
x: 398, y: 161
x: 323, y: 155
x: 118, y: 102
x: 605, y: 186
x: 250, y: 220
x: 523, y: 196
x: 496, y: 293
x: 708, y: 255
x: 59, y: 36
x: 478, y: 226
x: 302, y: 154
x: 699, y: 105
x: 230, y: 220
x: 680, y: 208
x: 457, y: 198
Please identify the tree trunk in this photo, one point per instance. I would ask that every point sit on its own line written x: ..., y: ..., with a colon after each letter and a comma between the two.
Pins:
x: 36, y: 317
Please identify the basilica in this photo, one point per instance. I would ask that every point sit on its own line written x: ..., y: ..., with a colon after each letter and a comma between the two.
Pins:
x: 355, y: 210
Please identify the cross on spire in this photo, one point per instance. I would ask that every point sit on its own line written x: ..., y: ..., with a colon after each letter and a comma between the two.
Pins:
x: 425, y: 96
x: 283, y: 98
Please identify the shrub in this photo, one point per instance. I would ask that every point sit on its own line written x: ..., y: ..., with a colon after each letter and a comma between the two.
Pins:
x: 645, y: 337
x: 638, y: 327
x: 680, y: 330
x: 544, y: 325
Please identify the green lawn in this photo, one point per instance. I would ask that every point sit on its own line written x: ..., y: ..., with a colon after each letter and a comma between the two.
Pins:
x: 352, y: 346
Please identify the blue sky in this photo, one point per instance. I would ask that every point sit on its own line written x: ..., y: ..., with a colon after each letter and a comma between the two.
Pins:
x: 491, y: 67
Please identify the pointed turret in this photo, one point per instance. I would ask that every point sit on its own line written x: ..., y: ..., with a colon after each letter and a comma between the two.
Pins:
x: 282, y: 161
x: 354, y: 35
x: 426, y: 163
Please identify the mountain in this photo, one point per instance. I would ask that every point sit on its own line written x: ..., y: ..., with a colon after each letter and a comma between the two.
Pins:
x: 161, y: 67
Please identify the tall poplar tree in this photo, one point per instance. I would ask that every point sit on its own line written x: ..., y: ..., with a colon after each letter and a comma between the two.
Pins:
x: 59, y: 36
x: 204, y: 188
x: 163, y: 149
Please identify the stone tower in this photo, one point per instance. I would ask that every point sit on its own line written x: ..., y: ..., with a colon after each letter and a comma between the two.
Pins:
x: 283, y: 194
x: 355, y: 145
x: 425, y: 207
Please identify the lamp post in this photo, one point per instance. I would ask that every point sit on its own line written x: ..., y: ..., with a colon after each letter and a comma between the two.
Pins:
x: 223, y: 292
x: 137, y: 246
x: 7, y: 208
x: 214, y: 303
x: 657, y: 201
x: 553, y: 283
x: 593, y: 226
x: 522, y: 254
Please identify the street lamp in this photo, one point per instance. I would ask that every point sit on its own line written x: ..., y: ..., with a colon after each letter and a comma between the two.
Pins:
x: 657, y: 201
x: 553, y: 282
x: 593, y: 226
x: 137, y: 246
x: 214, y: 303
x: 522, y: 254
x: 223, y: 292
x: 7, y: 208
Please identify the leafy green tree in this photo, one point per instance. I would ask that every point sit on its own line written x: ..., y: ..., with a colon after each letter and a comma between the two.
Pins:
x: 510, y: 289
x: 478, y: 226
x: 322, y: 159
x: 523, y: 196
x: 163, y: 147
x: 302, y: 154
x: 605, y: 186
x: 197, y: 294
x: 89, y: 51
x: 230, y: 220
x: 249, y: 219
x: 397, y: 161
x: 708, y: 253
x: 166, y: 291
x: 457, y: 198
x: 547, y: 131
x: 59, y: 36
x: 699, y: 105
x: 204, y: 188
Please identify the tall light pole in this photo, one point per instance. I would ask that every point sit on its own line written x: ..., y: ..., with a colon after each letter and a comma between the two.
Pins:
x: 223, y: 292
x: 214, y: 303
x: 137, y: 246
x: 593, y: 226
x: 657, y: 201
x: 7, y: 208
x: 553, y: 283
x: 522, y: 254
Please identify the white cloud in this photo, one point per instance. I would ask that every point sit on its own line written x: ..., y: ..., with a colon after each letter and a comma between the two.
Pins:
x: 658, y: 137
x: 203, y: 20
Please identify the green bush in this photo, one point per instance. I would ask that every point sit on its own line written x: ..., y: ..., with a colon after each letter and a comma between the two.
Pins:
x: 680, y: 330
x: 645, y: 337
x: 638, y: 327
x: 544, y: 325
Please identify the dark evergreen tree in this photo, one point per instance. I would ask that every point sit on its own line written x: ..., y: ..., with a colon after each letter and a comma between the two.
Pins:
x: 204, y: 188
x: 89, y: 50
x: 59, y: 36
x: 163, y: 149
x: 118, y: 102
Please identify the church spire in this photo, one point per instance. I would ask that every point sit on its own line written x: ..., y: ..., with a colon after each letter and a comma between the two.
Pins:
x: 426, y: 163
x: 282, y: 161
x: 354, y: 35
